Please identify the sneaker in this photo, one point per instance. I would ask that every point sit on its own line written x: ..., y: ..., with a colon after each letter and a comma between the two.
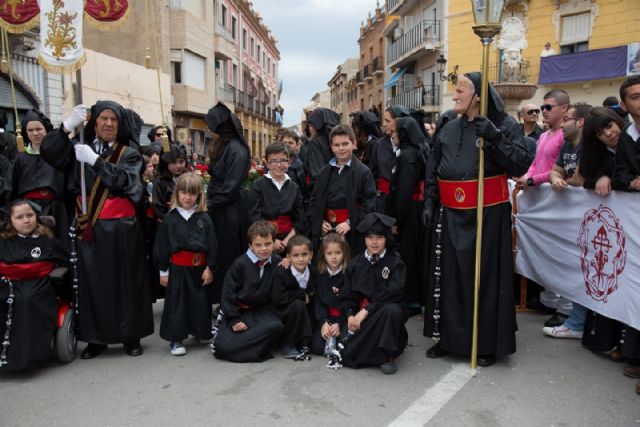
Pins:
x: 556, y: 320
x: 561, y: 332
x: 177, y: 348
x: 389, y: 367
x: 289, y: 352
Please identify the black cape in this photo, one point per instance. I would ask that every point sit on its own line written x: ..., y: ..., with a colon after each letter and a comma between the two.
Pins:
x: 268, y: 203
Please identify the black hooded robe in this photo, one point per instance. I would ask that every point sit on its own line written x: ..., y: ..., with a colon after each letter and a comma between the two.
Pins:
x: 34, y: 304
x: 319, y: 148
x: 114, y: 296
x: 455, y: 158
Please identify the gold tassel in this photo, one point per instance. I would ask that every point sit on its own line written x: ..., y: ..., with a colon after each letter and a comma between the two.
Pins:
x: 19, y: 140
x: 147, y: 62
x: 165, y: 141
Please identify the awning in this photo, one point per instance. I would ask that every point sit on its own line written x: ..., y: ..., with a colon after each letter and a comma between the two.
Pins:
x: 396, y: 77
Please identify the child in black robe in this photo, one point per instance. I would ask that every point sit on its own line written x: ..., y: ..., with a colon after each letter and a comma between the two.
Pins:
x: 330, y: 304
x: 248, y: 325
x: 276, y: 198
x: 377, y: 316
x: 28, y: 253
x: 292, y: 293
x: 172, y: 165
x: 343, y: 194
x: 185, y: 252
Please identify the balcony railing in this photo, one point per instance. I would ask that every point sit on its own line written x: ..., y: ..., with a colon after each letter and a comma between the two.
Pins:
x: 392, y: 4
x: 418, y: 97
x: 367, y: 71
x: 501, y: 72
x: 426, y: 32
x: 377, y: 65
x: 249, y: 104
x: 227, y: 94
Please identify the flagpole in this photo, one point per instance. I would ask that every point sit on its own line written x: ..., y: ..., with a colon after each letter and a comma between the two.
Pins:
x: 80, y: 128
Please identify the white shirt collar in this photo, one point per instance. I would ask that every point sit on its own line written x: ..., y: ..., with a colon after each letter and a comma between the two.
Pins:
x: 333, y: 162
x: 32, y: 235
x: 334, y: 273
x: 186, y: 213
x: 254, y: 258
x: 368, y: 257
x: 633, y: 131
x: 278, y: 185
x: 302, y: 278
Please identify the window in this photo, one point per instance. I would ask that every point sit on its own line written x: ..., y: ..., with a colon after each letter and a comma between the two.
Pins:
x: 176, y: 72
x: 258, y: 57
x: 253, y: 47
x: 244, y: 40
x: 268, y: 65
x: 576, y: 30
x: 234, y: 27
x: 193, y: 70
x: 235, y: 75
x: 223, y: 16
x: 264, y: 60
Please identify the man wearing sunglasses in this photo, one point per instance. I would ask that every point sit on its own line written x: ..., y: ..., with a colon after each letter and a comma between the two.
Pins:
x: 529, y: 114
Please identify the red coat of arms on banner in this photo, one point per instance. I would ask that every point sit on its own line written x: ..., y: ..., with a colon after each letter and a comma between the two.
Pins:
x: 603, y: 254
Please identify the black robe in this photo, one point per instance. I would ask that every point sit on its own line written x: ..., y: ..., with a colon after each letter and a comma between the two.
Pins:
x: 227, y: 206
x: 383, y: 334
x: 268, y: 203
x: 318, y: 154
x: 455, y: 157
x: 5, y: 180
x: 34, y: 304
x: 365, y: 153
x: 163, y: 187
x: 187, y: 303
x: 627, y: 162
x: 31, y: 172
x: 289, y: 300
x: 297, y: 175
x: 383, y: 160
x: 246, y: 297
x: 329, y: 293
x: 114, y: 297
x: 359, y: 195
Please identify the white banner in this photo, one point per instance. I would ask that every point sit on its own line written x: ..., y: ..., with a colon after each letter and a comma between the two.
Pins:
x: 61, y: 35
x: 582, y: 246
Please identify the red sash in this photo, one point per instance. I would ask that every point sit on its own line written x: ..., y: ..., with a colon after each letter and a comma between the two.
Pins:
x: 188, y: 259
x: 283, y: 224
x: 363, y: 303
x: 336, y: 216
x: 26, y: 271
x: 243, y: 306
x: 464, y: 194
x: 333, y: 312
x: 383, y: 185
x: 117, y: 207
x: 418, y: 192
x: 39, y: 194
x: 150, y: 212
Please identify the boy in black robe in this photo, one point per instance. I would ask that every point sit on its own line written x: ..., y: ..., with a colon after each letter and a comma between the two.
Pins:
x: 375, y: 287
x: 296, y: 166
x: 293, y: 289
x: 248, y: 325
x: 172, y: 165
x: 276, y: 198
x: 343, y: 194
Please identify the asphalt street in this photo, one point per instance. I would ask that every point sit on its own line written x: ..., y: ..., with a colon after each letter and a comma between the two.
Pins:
x: 548, y: 382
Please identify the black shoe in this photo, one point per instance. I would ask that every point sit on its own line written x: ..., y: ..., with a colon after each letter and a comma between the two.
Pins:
x: 92, y: 351
x: 555, y: 320
x: 389, y: 367
x: 486, y: 360
x: 133, y: 348
x: 436, y: 352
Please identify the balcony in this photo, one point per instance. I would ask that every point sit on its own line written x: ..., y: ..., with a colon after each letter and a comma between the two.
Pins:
x: 427, y: 98
x: 377, y: 66
x: 187, y: 99
x: 426, y: 36
x: 512, y: 82
x: 224, y: 45
x: 398, y: 7
x: 368, y: 75
x: 359, y: 79
x: 249, y: 104
x: 227, y: 94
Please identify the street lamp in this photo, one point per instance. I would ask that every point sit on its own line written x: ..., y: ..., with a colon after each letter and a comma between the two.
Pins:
x: 442, y: 67
x: 487, y: 15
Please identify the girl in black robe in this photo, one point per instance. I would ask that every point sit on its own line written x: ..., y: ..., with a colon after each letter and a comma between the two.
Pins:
x: 330, y: 304
x: 226, y: 199
x: 29, y: 253
x: 318, y: 150
x: 366, y: 126
x: 375, y: 288
x: 185, y: 253
x: 36, y: 180
x: 172, y: 165
x: 405, y: 205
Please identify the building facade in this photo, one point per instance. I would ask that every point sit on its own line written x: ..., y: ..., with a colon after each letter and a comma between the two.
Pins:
x: 589, y: 37
x: 338, y: 88
x: 247, y: 60
x: 416, y: 36
x: 369, y: 81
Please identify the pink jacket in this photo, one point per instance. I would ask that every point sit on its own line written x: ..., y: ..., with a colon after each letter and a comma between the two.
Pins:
x: 547, y: 153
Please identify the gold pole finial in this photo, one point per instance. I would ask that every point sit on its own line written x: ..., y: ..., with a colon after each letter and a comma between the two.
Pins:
x: 5, y: 45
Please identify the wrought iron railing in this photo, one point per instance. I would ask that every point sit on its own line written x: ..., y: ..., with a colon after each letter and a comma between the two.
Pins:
x: 426, y: 32
x: 418, y: 97
x: 503, y: 72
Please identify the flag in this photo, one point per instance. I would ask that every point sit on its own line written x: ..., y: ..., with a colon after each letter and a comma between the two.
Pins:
x: 18, y: 16
x: 583, y: 247
x: 61, y: 35
x: 106, y: 14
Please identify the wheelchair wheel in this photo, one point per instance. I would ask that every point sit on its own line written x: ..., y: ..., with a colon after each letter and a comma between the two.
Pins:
x: 66, y: 339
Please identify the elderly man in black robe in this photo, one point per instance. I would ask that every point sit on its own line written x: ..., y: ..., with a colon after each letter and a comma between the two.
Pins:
x: 450, y: 205
x: 114, y: 299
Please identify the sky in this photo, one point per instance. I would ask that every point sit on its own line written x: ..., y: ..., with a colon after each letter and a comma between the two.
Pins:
x: 314, y: 38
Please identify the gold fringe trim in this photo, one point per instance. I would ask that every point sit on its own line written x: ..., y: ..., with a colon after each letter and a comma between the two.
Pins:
x: 107, y: 25
x: 62, y: 69
x: 21, y: 28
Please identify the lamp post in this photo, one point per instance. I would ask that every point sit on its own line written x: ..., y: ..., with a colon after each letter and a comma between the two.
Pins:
x: 442, y: 68
x: 487, y: 15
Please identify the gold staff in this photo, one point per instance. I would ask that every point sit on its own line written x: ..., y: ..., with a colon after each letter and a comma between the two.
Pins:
x: 5, y: 45
x: 487, y: 15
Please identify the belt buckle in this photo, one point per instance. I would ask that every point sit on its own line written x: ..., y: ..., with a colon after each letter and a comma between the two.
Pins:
x: 459, y: 195
x: 196, y: 259
x: 44, y: 192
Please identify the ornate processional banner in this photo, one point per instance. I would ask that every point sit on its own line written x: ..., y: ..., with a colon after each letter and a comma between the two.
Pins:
x: 61, y: 35
x: 582, y: 246
x: 106, y: 14
x: 18, y: 16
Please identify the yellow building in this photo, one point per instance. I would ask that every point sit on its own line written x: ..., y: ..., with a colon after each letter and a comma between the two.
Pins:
x: 588, y: 48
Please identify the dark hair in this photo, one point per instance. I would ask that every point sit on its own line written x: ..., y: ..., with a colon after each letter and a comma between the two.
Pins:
x: 299, y: 240
x: 261, y: 228
x: 581, y: 111
x: 342, y: 130
x: 561, y: 96
x: 630, y: 81
x: 276, y: 148
x: 284, y: 133
x: 593, y: 150
x: 10, y: 231
x: 340, y: 241
x: 610, y: 101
